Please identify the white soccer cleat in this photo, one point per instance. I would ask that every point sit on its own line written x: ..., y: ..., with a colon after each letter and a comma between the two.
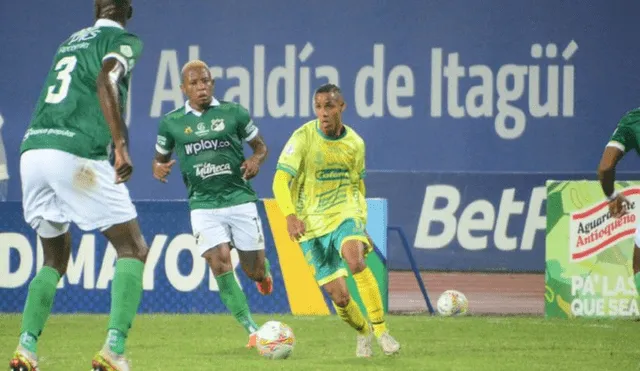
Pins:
x: 363, y: 344
x: 107, y: 360
x: 388, y: 344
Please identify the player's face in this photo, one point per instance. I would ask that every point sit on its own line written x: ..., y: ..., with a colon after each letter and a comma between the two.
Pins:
x: 197, y: 85
x: 329, y: 107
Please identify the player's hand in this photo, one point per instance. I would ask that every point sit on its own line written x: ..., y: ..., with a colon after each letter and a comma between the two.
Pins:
x: 619, y: 206
x: 295, y: 227
x: 250, y: 168
x: 122, y: 164
x: 162, y: 169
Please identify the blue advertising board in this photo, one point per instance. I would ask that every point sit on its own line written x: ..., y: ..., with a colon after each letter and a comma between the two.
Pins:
x: 176, y: 278
x: 457, y: 86
x: 469, y: 221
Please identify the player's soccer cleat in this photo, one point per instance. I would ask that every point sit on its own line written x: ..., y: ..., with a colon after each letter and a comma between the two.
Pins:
x: 23, y: 360
x: 388, y: 344
x: 266, y: 286
x: 106, y: 360
x: 252, y: 341
x: 363, y: 344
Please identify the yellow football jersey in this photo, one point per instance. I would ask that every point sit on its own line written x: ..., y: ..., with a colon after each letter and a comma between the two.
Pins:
x: 326, y: 177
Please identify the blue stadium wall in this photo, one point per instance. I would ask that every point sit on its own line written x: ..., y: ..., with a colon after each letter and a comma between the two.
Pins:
x: 467, y: 107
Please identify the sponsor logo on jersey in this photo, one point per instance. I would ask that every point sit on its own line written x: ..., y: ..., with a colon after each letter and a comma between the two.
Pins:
x: 217, y: 124
x: 193, y: 148
x: 202, y: 130
x: 65, y: 133
x: 85, y: 34
x: 208, y: 170
x: 332, y: 174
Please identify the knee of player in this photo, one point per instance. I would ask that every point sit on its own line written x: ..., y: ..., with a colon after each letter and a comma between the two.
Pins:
x: 219, y: 261
x: 341, y: 299
x: 356, y: 264
x: 133, y: 250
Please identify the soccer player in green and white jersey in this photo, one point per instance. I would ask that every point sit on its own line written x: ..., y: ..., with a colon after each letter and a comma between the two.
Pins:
x: 625, y: 138
x: 207, y: 137
x: 66, y: 176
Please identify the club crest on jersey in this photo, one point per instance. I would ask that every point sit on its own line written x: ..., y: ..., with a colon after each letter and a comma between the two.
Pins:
x: 217, y: 124
x: 188, y: 130
x: 289, y: 149
x: 126, y: 51
x: 202, y: 130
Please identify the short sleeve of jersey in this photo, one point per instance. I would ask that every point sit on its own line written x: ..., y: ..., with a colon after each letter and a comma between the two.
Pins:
x: 293, y: 153
x: 165, y: 141
x: 247, y: 130
x: 360, y: 161
x: 126, y: 48
x: 624, y: 137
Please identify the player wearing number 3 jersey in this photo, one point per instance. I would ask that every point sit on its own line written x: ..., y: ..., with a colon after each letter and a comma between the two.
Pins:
x: 66, y: 176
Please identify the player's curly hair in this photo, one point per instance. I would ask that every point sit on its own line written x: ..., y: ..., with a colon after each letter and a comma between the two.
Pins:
x: 194, y: 63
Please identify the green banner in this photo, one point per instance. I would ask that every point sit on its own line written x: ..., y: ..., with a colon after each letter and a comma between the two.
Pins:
x: 588, y: 252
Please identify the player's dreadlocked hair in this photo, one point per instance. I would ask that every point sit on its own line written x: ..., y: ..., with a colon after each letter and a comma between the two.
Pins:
x: 329, y: 88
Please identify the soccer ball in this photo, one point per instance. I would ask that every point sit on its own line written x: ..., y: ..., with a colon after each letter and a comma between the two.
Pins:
x: 275, y: 340
x: 452, y: 303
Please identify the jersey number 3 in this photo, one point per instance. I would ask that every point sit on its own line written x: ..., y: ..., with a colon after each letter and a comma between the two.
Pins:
x: 64, y: 67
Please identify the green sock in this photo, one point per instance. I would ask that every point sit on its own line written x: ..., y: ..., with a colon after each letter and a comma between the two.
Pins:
x: 126, y: 292
x: 267, y: 267
x: 637, y: 279
x: 37, y: 308
x: 235, y: 301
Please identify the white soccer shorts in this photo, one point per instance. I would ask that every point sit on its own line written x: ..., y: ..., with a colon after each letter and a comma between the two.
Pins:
x: 60, y: 187
x: 238, y: 224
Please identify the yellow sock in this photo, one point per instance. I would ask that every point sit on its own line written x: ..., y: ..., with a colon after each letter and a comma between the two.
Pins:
x: 370, y: 293
x: 352, y: 315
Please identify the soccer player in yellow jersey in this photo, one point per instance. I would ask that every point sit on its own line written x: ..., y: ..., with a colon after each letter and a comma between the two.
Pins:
x: 324, y: 160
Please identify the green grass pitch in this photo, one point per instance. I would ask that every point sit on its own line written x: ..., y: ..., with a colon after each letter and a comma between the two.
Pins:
x: 207, y: 342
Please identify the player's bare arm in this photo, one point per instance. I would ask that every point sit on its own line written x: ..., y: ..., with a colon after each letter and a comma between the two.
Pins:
x: 607, y: 176
x: 252, y: 165
x: 107, y: 83
x: 161, y: 166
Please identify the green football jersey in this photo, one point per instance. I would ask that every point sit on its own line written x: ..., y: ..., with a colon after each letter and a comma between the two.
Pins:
x: 68, y: 116
x: 209, y: 148
x: 626, y: 137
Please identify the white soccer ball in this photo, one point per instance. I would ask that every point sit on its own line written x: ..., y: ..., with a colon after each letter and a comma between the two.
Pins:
x: 452, y: 303
x: 275, y: 340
